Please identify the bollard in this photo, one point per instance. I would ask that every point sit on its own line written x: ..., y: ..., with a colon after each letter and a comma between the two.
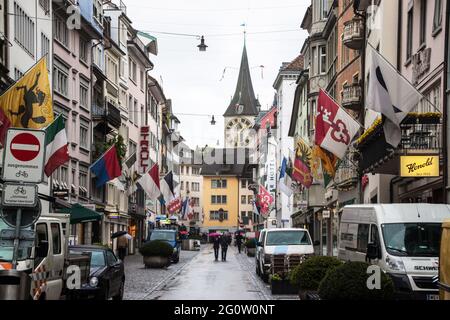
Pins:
x: 14, y: 285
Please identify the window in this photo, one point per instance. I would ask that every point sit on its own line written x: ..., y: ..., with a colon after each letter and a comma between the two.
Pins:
x: 195, y: 186
x: 423, y: 21
x: 24, y: 30
x: 84, y: 50
x: 243, y: 184
x: 218, y: 199
x: 182, y: 185
x: 111, y: 258
x: 195, y: 171
x: 84, y: 94
x: 243, y: 199
x: 141, y: 114
x: 135, y: 111
x: 56, y: 238
x: 323, y: 7
x: 374, y: 235
x: 132, y: 70
x: 437, y: 18
x: 98, y: 10
x: 409, y: 40
x: 218, y: 184
x: 323, y: 59
x: 84, y: 133
x: 42, y: 237
x: 60, y: 78
x: 45, y: 48
x: 61, y: 33
x: 74, y: 129
x: 345, y: 58
x: 363, y: 237
x: 250, y: 199
x: 45, y: 5
x: 112, y: 69
x: 314, y: 60
x: 130, y: 108
x: 216, y: 216
x: 142, y: 82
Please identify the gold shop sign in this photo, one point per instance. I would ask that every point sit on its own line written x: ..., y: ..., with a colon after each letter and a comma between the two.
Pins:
x: 419, y: 166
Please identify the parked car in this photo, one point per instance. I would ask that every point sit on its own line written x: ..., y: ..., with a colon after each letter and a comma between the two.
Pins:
x: 172, y: 237
x: 281, y: 241
x: 402, y: 239
x: 444, y: 262
x: 107, y: 274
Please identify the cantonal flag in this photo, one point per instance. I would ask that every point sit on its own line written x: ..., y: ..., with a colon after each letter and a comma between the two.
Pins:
x: 150, y: 183
x: 107, y: 167
x: 56, y: 149
x: 335, y: 128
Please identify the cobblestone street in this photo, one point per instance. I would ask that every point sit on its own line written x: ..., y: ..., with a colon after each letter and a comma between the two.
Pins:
x: 198, y: 277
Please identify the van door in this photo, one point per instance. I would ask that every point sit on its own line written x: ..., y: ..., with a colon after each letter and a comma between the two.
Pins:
x: 55, y: 283
x: 41, y: 261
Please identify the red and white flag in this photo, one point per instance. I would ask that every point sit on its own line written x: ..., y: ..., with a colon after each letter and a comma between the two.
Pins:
x: 175, y: 206
x: 335, y: 128
x: 150, y: 183
x: 265, y: 200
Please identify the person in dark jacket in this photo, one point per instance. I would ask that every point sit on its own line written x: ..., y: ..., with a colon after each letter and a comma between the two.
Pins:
x: 216, y: 245
x: 239, y: 242
x: 224, y: 242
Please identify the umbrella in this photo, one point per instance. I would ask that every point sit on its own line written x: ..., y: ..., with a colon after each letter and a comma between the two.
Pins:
x: 184, y: 232
x: 128, y: 236
x: 215, y: 234
x: 118, y: 234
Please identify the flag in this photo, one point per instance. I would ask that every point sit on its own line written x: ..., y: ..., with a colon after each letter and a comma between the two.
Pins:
x: 285, y: 181
x: 167, y: 188
x: 5, y: 124
x: 325, y: 163
x: 150, y: 183
x: 28, y: 103
x: 107, y: 167
x: 335, y: 128
x: 185, y: 209
x: 191, y: 209
x: 174, y: 206
x: 131, y: 160
x: 56, y: 146
x: 302, y: 164
x: 391, y: 95
x: 265, y: 200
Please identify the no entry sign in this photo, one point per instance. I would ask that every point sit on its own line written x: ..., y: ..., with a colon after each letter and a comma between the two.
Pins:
x: 24, y: 156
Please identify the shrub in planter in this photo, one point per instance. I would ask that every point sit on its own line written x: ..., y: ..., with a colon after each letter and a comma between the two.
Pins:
x: 280, y: 285
x: 308, y: 275
x: 349, y: 282
x: 156, y: 253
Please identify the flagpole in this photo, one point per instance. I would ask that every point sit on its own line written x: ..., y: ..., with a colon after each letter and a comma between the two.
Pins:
x: 101, y: 156
x: 403, y: 77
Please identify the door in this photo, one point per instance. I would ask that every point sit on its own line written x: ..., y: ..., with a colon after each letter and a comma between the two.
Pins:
x: 115, y: 272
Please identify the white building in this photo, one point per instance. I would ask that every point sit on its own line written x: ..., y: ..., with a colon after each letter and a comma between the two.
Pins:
x: 285, y: 85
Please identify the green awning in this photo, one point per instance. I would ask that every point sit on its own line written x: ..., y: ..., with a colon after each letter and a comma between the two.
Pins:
x: 80, y: 214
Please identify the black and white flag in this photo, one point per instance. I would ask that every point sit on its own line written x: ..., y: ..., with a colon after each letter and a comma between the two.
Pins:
x: 391, y: 95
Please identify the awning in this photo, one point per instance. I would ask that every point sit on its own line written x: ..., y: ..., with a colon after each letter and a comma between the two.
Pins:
x: 80, y: 214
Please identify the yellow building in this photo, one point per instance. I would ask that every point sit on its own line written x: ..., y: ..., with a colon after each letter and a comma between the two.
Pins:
x: 220, y: 192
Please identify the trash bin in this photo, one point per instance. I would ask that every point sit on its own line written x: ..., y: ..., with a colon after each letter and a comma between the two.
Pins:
x: 14, y: 285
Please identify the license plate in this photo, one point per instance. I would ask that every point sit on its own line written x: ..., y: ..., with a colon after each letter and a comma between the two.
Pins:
x: 432, y: 297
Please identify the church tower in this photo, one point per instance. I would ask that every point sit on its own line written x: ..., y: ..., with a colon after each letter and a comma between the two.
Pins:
x: 243, y: 109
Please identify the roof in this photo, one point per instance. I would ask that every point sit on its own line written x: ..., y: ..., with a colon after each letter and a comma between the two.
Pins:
x: 224, y: 162
x: 297, y: 64
x: 244, y: 94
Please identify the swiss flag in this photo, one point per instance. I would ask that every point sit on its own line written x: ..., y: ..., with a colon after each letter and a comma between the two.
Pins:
x: 265, y: 200
x: 335, y: 128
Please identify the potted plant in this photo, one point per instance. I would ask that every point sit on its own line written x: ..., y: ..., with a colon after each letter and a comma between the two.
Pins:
x: 308, y: 275
x: 281, y: 285
x: 156, y: 254
x: 250, y: 245
x: 349, y: 282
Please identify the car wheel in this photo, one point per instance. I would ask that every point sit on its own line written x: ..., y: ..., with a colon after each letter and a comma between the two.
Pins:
x: 121, y: 290
x: 177, y: 259
x: 104, y: 295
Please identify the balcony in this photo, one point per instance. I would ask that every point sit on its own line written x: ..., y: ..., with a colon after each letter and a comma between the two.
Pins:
x: 421, y: 135
x: 351, y: 96
x: 346, y: 178
x: 354, y: 34
x: 109, y: 114
x: 98, y: 111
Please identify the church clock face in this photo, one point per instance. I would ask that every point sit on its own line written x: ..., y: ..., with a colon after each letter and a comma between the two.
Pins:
x: 237, y: 132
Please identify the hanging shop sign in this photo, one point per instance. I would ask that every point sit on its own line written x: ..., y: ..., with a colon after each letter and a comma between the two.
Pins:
x: 144, y: 149
x: 419, y: 166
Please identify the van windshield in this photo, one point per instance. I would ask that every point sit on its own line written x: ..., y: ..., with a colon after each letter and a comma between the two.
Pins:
x: 412, y: 239
x: 287, y: 238
x: 6, y: 253
x: 162, y: 235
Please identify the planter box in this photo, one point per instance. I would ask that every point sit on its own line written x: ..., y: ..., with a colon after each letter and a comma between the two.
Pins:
x: 156, y: 262
x: 283, y: 287
x: 251, y: 252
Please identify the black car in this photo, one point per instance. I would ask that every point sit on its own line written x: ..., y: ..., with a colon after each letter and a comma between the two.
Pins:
x: 107, y: 274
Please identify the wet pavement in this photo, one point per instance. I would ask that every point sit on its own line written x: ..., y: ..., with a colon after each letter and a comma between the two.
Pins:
x: 205, y: 279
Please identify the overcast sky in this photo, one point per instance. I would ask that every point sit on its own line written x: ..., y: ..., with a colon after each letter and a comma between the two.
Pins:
x: 192, y: 78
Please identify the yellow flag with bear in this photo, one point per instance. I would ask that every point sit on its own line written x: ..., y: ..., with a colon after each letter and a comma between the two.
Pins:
x: 28, y: 103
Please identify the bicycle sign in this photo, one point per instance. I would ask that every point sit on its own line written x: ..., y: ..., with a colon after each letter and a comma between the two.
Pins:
x: 24, y: 156
x: 19, y: 195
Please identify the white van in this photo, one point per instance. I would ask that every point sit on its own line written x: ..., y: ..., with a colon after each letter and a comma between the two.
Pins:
x: 283, y: 242
x: 402, y: 239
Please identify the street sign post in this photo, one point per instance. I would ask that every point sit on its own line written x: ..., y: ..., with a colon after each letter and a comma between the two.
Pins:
x: 28, y: 216
x: 19, y: 195
x: 24, y: 156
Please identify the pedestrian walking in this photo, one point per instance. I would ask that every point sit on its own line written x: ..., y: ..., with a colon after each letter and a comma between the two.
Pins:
x: 224, y: 242
x: 216, y: 245
x: 122, y: 245
x: 239, y: 242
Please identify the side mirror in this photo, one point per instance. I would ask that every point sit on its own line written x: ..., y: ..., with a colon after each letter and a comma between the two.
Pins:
x: 42, y: 250
x: 373, y: 251
x: 259, y: 244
